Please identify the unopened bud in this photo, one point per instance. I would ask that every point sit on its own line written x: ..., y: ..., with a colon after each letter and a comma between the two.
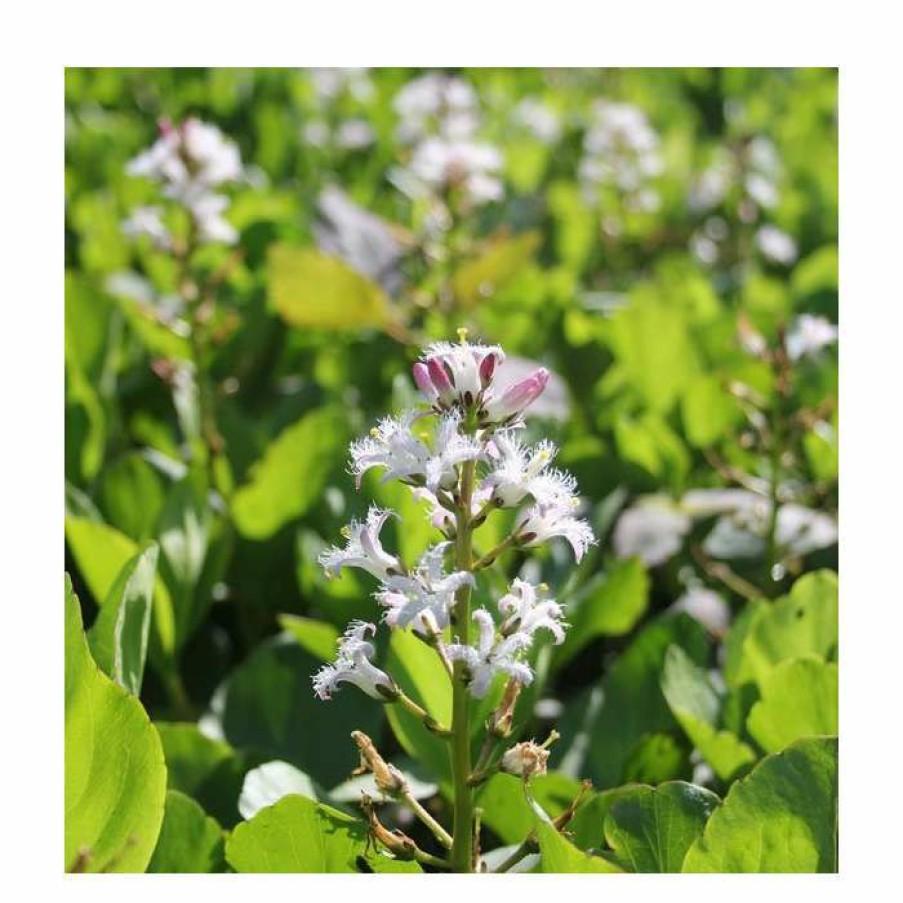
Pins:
x: 499, y: 723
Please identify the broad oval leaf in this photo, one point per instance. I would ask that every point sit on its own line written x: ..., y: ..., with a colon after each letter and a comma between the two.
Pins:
x: 697, y: 707
x: 799, y: 699
x: 300, y: 835
x: 115, y: 773
x: 289, y: 478
x: 650, y: 829
x: 190, y: 841
x: 269, y: 708
x: 308, y: 288
x: 782, y: 817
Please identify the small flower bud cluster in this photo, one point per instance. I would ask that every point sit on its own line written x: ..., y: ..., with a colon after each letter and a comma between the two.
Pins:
x: 474, y: 427
x: 190, y: 161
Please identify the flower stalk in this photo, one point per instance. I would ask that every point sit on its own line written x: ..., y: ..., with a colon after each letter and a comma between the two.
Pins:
x: 471, y: 466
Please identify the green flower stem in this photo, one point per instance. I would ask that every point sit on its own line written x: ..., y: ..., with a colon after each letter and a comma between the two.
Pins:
x: 462, y: 848
x: 491, y: 555
x: 437, y: 830
x: 418, y: 711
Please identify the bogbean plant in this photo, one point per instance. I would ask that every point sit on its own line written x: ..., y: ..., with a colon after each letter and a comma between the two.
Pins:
x: 474, y: 465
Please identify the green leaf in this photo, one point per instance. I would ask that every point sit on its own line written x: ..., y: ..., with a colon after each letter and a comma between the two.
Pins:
x: 799, y: 624
x: 316, y: 637
x: 575, y: 224
x: 782, y: 817
x: 651, y: 340
x: 118, y: 638
x: 709, y: 411
x: 556, y: 854
x: 289, y: 478
x: 629, y: 703
x: 101, y: 553
x: 499, y: 262
x: 506, y: 810
x: 313, y: 290
x: 190, y: 841
x: 269, y: 708
x: 611, y: 605
x: 115, y: 773
x: 131, y: 495
x: 799, y: 699
x: 697, y: 707
x: 208, y: 770
x: 419, y: 672
x: 656, y: 758
x: 650, y: 829
x: 299, y: 835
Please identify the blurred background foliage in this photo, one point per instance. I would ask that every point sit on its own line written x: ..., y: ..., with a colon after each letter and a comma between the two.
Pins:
x: 651, y: 236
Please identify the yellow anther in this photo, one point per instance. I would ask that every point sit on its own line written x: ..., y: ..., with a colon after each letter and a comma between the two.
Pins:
x: 374, y: 432
x: 543, y: 587
x: 462, y: 334
x: 346, y: 531
x: 544, y: 455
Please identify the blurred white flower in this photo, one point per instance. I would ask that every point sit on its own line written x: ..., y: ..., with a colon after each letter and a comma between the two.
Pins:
x: 330, y: 83
x: 354, y: 134
x: 439, y: 164
x: 316, y: 133
x: 539, y: 119
x: 148, y: 222
x: 808, y: 335
x: 438, y: 105
x: 189, y: 160
x: 653, y: 529
x: 776, y: 245
x: 707, y: 607
x: 620, y: 148
x: 208, y: 210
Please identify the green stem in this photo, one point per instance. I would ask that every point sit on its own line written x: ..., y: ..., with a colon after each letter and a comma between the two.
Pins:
x: 462, y: 847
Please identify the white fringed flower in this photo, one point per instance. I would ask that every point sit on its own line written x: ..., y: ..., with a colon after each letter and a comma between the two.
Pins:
x: 491, y: 655
x: 525, y: 611
x: 393, y: 446
x: 423, y: 599
x: 521, y: 471
x: 353, y: 665
x: 364, y: 549
x: 541, y: 523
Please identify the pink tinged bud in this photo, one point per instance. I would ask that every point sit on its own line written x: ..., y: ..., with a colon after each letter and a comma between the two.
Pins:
x: 424, y: 383
x: 487, y: 368
x: 520, y: 396
x: 164, y: 124
x: 441, y: 382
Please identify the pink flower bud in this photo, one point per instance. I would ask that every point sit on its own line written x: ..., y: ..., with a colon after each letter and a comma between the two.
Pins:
x: 424, y: 383
x: 487, y: 368
x: 439, y: 376
x: 518, y: 397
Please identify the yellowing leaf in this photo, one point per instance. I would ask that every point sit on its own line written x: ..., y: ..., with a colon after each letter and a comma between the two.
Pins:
x: 309, y: 288
x: 500, y: 262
